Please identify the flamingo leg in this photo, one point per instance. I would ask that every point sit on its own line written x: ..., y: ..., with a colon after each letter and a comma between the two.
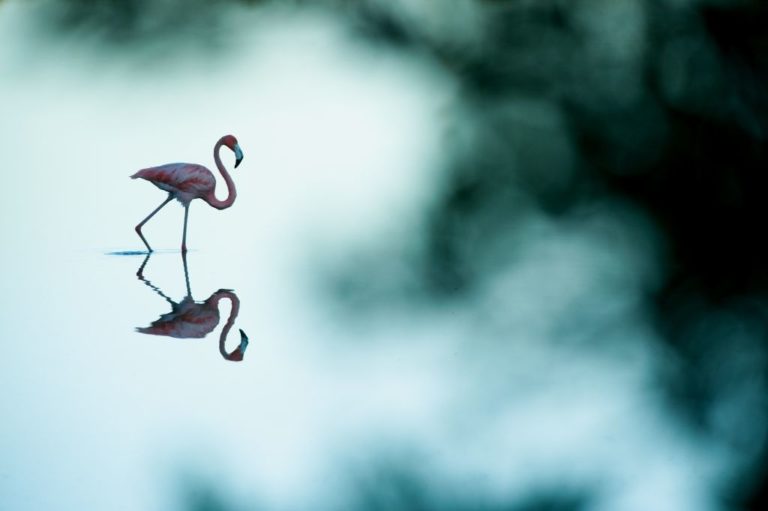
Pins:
x: 138, y: 227
x: 184, y: 236
x: 186, y: 273
x: 140, y: 275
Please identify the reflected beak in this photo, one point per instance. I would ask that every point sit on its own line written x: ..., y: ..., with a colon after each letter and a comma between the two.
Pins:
x: 243, y: 340
x: 238, y: 157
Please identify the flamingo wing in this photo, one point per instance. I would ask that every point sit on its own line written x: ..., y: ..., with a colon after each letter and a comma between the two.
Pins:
x: 186, y: 181
x: 188, y: 320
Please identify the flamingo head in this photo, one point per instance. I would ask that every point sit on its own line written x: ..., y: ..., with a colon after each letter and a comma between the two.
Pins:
x: 231, y: 142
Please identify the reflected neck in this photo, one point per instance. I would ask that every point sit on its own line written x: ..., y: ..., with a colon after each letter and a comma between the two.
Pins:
x: 235, y: 301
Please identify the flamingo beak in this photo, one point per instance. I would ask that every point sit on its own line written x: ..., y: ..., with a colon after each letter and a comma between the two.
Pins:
x: 238, y: 157
x: 243, y: 340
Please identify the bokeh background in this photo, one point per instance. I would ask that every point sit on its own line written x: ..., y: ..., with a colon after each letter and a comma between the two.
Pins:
x: 490, y: 255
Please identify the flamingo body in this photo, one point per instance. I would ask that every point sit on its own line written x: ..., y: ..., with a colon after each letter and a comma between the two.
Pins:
x: 188, y: 181
x: 187, y: 320
x: 185, y: 181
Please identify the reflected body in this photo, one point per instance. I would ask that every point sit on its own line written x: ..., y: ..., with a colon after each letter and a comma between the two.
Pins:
x: 188, y: 181
x: 189, y: 319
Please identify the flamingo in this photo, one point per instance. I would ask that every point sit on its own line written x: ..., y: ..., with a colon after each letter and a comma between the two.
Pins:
x: 189, y: 319
x: 188, y: 181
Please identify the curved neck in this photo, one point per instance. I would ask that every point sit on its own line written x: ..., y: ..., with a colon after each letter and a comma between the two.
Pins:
x: 232, y: 193
x: 235, y: 301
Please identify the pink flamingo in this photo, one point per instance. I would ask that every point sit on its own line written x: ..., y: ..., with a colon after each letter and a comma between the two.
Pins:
x: 195, y: 320
x: 189, y: 319
x: 188, y: 181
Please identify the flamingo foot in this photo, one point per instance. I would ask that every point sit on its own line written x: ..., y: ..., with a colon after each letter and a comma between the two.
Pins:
x: 138, y: 231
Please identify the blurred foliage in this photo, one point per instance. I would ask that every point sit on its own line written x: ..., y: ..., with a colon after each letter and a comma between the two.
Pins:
x: 665, y: 106
x: 398, y: 486
x: 128, y: 20
x: 202, y: 493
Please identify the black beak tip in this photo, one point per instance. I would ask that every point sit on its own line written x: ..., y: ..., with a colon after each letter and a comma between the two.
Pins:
x: 237, y: 162
x: 243, y: 341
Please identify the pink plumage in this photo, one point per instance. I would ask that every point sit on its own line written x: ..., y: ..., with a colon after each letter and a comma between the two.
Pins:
x: 187, y: 320
x: 186, y: 181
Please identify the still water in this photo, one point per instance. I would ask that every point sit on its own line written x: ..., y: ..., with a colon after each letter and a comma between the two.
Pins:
x: 126, y: 381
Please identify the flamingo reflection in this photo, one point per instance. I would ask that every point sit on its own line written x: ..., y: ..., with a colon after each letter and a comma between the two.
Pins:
x: 189, y: 319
